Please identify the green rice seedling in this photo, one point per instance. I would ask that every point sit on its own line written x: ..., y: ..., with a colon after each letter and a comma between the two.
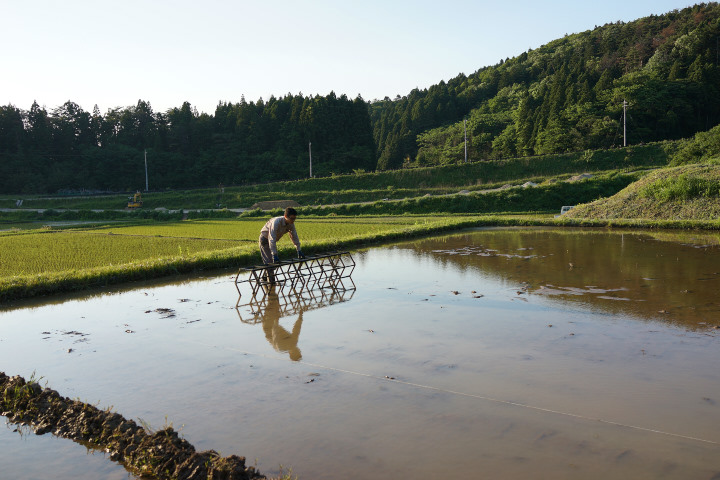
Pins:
x: 247, y: 230
x: 66, y: 250
x: 42, y: 262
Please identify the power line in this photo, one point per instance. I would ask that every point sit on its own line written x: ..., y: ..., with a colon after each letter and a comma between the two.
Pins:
x: 624, y: 123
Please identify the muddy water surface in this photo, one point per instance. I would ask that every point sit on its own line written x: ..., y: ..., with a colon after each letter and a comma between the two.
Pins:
x: 496, y: 353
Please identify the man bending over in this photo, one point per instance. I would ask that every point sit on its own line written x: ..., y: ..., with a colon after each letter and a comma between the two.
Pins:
x: 273, y: 231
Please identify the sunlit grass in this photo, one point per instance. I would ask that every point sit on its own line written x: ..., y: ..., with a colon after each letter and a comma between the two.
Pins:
x: 248, y: 229
x: 48, y: 250
x: 685, y: 193
x: 49, y: 261
x: 46, y: 261
x: 63, y: 250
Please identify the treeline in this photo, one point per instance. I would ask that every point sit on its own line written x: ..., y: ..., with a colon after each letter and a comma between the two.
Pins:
x: 565, y: 96
x: 70, y: 149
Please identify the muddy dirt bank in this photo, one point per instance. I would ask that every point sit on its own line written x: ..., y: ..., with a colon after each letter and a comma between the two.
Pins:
x: 162, y: 454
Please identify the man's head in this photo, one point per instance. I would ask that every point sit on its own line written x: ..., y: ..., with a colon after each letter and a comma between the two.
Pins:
x: 290, y: 215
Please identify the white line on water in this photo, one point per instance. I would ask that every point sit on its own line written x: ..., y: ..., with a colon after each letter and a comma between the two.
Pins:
x: 472, y: 395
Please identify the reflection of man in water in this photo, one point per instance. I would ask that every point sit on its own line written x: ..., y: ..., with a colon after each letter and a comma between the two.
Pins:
x: 279, y: 338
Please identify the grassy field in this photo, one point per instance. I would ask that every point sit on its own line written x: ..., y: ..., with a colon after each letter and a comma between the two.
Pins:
x: 248, y: 229
x: 347, y: 211
x: 43, y: 262
x: 37, y: 253
x: 36, y: 262
x: 544, y: 196
x: 41, y: 251
x: 690, y: 192
x: 370, y: 187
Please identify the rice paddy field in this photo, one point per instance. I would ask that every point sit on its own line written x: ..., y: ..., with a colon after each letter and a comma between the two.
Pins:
x: 499, y: 353
x: 248, y: 229
x: 48, y: 260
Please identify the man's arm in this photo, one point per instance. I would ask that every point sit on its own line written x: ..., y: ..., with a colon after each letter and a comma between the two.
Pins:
x: 294, y: 237
x: 273, y: 236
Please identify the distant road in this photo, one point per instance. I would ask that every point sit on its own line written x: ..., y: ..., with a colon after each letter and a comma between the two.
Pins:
x: 41, y: 210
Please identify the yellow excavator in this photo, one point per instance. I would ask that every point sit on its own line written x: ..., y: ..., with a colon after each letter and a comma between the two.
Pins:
x: 135, y: 201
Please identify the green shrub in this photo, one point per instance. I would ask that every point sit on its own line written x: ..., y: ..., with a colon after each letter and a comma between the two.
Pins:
x: 683, y: 187
x: 704, y: 146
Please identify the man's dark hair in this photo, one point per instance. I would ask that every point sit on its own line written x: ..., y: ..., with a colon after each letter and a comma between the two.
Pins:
x: 290, y: 212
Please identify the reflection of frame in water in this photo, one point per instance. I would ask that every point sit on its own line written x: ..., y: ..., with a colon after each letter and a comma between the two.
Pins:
x: 313, y: 272
x: 270, y: 301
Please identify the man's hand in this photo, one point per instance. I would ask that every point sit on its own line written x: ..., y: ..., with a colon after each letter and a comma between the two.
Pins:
x: 300, y: 254
x: 276, y: 259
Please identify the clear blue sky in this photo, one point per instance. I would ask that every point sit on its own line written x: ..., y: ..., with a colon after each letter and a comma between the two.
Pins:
x: 114, y: 52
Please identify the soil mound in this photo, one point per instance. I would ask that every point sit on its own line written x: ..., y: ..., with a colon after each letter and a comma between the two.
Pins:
x: 162, y: 454
x: 582, y: 176
x: 271, y: 205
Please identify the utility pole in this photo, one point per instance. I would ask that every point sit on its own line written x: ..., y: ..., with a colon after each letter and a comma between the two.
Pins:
x: 146, y: 175
x: 624, y: 123
x: 310, y: 152
x: 465, y: 129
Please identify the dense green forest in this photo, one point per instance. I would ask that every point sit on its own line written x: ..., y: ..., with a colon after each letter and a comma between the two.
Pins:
x: 246, y: 142
x: 564, y: 96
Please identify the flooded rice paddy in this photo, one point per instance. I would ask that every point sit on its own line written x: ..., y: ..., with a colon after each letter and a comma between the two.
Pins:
x: 493, y: 353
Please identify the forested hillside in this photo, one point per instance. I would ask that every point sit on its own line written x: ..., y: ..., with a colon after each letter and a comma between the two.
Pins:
x: 564, y: 96
x: 245, y: 142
